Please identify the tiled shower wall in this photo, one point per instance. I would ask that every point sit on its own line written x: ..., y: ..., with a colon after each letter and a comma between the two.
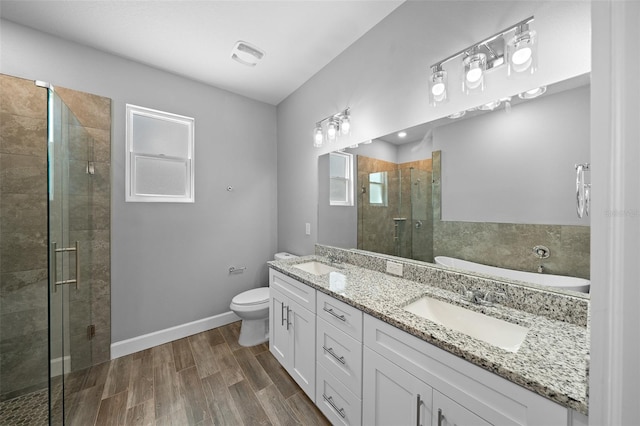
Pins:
x: 409, y: 197
x: 23, y: 232
x: 509, y: 245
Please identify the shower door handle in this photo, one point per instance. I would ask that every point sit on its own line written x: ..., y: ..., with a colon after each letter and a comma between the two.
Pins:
x: 54, y: 265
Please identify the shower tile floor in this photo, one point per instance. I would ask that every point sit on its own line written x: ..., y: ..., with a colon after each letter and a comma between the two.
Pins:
x: 204, y: 379
x: 26, y: 410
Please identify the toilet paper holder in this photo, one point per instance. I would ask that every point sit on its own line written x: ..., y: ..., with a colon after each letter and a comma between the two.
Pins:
x: 233, y: 269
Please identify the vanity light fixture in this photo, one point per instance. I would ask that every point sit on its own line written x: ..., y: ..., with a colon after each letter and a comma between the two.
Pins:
x: 247, y: 54
x: 533, y: 93
x: 331, y: 127
x: 519, y: 53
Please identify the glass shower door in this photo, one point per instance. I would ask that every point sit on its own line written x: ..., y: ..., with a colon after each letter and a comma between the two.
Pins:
x: 69, y: 204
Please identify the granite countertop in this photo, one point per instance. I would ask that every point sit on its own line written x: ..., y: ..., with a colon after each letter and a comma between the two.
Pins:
x: 551, y: 361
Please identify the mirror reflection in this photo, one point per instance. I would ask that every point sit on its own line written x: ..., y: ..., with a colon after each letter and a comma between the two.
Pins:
x: 487, y: 187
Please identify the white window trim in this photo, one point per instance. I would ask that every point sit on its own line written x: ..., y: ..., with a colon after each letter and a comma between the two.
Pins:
x: 130, y: 172
x: 348, y: 179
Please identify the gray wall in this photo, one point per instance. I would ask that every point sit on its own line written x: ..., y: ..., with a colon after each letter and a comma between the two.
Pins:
x: 383, y: 78
x: 170, y: 261
x: 522, y: 160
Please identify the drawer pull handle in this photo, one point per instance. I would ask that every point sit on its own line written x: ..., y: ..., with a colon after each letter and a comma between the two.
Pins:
x: 340, y: 317
x: 282, y: 314
x: 418, y: 404
x: 288, y: 321
x: 440, y: 417
x: 329, y: 399
x: 333, y: 354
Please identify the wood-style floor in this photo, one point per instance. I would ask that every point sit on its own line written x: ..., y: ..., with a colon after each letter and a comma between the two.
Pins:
x: 204, y: 379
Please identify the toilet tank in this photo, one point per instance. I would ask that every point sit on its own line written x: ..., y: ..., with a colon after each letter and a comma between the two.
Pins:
x: 283, y: 255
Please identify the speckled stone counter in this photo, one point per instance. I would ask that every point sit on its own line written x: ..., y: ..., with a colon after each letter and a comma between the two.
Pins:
x: 552, y: 360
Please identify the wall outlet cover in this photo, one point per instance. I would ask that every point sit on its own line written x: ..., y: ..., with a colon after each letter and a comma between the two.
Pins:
x: 394, y: 268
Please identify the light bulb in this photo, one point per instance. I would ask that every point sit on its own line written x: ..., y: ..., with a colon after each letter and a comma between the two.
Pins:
x: 521, y: 56
x: 437, y: 89
x: 473, y: 75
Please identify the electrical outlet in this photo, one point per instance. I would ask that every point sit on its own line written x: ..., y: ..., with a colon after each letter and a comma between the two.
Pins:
x: 307, y: 228
x: 394, y: 268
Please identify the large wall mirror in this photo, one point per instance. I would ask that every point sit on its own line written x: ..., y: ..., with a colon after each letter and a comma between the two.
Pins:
x: 486, y: 187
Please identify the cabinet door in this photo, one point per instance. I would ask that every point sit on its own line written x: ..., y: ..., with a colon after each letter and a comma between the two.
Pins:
x: 278, y: 330
x: 391, y: 396
x: 447, y: 412
x: 302, y: 349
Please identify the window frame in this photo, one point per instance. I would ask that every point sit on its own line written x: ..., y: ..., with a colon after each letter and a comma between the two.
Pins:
x: 346, y: 180
x: 131, y: 193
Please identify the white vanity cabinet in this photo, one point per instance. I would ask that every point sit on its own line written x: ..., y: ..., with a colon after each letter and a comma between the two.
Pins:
x: 292, y: 328
x: 462, y: 393
x: 392, y: 396
x: 339, y: 356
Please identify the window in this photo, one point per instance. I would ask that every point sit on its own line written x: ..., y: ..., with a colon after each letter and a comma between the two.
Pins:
x: 378, y: 189
x: 159, y: 162
x: 340, y: 179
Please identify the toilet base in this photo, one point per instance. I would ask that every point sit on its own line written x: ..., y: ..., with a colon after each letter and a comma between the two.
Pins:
x: 254, y: 332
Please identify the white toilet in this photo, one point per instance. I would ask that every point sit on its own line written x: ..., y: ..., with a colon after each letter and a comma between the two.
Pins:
x: 252, y: 306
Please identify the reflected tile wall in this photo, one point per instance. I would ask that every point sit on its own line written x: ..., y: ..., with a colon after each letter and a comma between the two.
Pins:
x: 508, y: 245
x: 23, y: 231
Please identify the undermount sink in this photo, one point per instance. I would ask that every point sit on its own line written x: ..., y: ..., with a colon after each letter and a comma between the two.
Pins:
x: 496, y: 332
x: 316, y: 268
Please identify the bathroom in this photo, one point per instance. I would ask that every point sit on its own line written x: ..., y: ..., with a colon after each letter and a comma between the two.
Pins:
x: 165, y: 260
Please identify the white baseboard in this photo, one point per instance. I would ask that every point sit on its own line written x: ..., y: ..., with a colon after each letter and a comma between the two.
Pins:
x: 146, y: 341
x: 57, y: 365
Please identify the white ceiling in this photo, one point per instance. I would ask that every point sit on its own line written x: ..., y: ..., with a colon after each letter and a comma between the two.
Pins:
x: 195, y: 38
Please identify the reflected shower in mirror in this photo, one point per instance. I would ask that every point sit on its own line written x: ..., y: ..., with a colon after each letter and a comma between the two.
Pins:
x: 486, y: 188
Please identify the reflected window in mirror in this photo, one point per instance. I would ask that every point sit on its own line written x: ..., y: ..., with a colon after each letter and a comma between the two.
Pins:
x: 341, y: 179
x: 378, y: 189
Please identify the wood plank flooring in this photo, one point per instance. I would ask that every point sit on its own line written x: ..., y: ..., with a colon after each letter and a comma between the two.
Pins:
x: 205, y: 379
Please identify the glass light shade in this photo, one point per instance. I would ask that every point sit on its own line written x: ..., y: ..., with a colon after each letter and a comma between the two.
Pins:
x: 473, y: 76
x: 317, y: 137
x: 438, y: 87
x: 522, y: 55
x: 332, y: 130
x: 345, y: 125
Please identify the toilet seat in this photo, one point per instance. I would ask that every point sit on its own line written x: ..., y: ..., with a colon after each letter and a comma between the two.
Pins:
x: 255, y: 296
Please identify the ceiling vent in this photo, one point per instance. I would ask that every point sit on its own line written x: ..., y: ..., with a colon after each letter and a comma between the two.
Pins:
x: 246, y: 54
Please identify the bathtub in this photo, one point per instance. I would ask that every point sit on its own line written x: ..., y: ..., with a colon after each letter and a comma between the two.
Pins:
x: 555, y: 281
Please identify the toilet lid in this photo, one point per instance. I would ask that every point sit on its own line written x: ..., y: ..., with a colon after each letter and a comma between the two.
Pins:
x: 252, y: 297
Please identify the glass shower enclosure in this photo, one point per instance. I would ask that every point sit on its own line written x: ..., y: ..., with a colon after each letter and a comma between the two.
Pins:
x: 47, y: 250
x: 70, y: 166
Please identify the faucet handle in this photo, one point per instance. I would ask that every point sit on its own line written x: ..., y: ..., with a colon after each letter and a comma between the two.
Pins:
x: 493, y: 296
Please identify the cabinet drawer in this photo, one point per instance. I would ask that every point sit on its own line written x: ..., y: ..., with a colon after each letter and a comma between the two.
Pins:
x: 344, y: 317
x: 341, y: 355
x: 335, y: 401
x: 300, y: 293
